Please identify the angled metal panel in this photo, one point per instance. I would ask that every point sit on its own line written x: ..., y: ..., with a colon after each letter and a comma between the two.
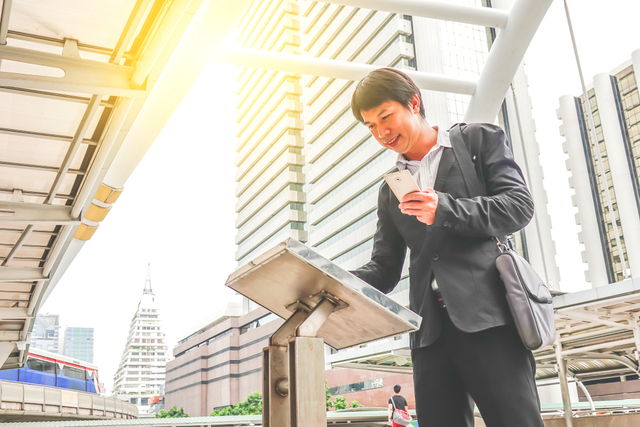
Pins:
x: 81, y: 75
x: 32, y: 213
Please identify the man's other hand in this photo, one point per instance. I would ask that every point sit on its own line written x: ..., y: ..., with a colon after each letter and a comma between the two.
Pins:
x: 422, y: 205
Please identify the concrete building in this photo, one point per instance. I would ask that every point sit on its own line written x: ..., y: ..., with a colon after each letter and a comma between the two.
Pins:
x: 615, y: 105
x: 141, y: 374
x: 46, y: 332
x: 219, y: 362
x: 78, y: 343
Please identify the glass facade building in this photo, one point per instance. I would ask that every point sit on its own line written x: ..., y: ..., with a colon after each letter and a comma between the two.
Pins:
x: 78, y: 343
x: 45, y: 333
x: 614, y: 102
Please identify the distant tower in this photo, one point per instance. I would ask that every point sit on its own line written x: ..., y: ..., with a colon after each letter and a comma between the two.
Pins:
x: 46, y: 331
x: 78, y: 343
x: 141, y: 373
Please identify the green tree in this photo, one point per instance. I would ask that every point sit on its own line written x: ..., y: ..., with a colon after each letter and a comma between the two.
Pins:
x: 172, y: 413
x: 251, y: 406
x: 340, y: 402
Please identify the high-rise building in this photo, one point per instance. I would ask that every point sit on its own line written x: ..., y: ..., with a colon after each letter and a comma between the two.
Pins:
x: 141, y: 374
x: 270, y: 180
x: 78, y: 343
x: 614, y: 102
x: 46, y: 331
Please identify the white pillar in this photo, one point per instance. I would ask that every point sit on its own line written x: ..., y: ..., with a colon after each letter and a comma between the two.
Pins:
x: 635, y: 58
x: 619, y: 166
x: 587, y: 216
x: 540, y: 246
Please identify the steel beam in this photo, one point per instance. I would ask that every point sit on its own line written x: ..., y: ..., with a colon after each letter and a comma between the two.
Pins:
x: 33, y: 213
x: 153, y: 51
x: 475, y: 15
x: 87, y: 117
x: 595, y: 318
x: 20, y: 274
x: 5, y: 13
x: 37, y: 167
x: 130, y: 28
x: 504, y: 59
x: 81, y: 75
x: 52, y: 41
x: 41, y: 135
x: 564, y: 385
x: 321, y: 67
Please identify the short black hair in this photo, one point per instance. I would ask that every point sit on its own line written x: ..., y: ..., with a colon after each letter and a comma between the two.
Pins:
x: 380, y: 86
x: 396, y: 388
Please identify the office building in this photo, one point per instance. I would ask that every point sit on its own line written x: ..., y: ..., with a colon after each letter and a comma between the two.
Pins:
x: 219, y: 362
x: 141, y: 373
x: 45, y: 333
x: 78, y: 343
x: 615, y: 105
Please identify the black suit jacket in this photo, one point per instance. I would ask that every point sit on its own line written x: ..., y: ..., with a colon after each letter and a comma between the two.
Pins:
x: 458, y: 249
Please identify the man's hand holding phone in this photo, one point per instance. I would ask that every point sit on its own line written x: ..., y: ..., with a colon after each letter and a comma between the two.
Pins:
x: 421, y: 204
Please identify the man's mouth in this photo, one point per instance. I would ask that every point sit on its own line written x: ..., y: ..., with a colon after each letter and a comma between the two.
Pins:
x: 393, y: 142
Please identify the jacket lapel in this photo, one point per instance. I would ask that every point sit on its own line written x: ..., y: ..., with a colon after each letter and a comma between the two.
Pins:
x: 446, y: 161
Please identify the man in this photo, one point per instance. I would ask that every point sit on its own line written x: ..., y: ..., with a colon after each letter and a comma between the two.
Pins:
x: 467, y: 348
x: 397, y: 402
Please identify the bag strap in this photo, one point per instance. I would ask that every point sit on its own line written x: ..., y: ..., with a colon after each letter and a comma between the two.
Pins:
x: 393, y: 403
x: 471, y: 180
x: 463, y: 157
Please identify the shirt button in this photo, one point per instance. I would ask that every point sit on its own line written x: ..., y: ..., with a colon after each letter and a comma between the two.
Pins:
x: 435, y: 257
x: 446, y: 223
x: 457, y: 227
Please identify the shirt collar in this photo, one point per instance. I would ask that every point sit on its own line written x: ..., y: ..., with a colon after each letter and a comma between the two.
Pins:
x: 441, y: 141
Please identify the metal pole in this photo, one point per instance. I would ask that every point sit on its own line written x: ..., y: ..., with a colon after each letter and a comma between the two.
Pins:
x: 564, y: 385
x: 596, y: 144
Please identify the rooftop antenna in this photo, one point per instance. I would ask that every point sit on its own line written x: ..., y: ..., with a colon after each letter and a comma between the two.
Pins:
x: 147, y: 283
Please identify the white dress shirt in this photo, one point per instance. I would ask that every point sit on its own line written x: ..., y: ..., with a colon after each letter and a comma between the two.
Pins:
x: 424, y: 171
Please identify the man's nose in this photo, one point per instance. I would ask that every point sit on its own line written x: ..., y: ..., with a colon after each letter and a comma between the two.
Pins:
x: 382, y: 132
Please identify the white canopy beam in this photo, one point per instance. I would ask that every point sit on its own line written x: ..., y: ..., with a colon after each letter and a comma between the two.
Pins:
x: 475, y: 15
x: 41, y: 135
x: 81, y: 75
x: 20, y: 274
x: 33, y: 213
x: 333, y: 69
x: 504, y: 59
x: 5, y: 12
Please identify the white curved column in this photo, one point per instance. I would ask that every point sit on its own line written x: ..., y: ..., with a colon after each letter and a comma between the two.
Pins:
x: 635, y: 59
x: 541, y: 249
x: 620, y: 173
x: 587, y: 216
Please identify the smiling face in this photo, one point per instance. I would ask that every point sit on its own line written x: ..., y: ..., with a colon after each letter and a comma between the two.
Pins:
x: 398, y: 127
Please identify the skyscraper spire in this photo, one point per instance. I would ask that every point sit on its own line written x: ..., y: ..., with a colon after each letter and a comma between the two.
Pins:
x: 147, y: 283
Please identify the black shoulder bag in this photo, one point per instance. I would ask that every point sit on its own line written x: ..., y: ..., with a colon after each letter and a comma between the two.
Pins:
x: 527, y: 295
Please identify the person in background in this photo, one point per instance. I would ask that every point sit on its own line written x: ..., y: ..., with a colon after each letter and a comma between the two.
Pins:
x: 400, y: 403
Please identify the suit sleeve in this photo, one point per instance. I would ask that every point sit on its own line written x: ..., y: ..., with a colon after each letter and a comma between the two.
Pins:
x: 508, y: 206
x: 385, y: 268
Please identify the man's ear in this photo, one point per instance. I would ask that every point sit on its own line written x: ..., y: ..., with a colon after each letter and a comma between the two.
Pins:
x: 414, y: 104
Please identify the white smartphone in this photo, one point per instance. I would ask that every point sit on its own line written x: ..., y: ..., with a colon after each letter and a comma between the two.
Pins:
x: 401, y: 183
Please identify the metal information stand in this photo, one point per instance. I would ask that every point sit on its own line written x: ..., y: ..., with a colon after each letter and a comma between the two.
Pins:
x: 320, y: 303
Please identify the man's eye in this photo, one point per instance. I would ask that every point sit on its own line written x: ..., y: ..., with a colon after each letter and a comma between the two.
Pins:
x: 385, y: 117
x: 370, y: 126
